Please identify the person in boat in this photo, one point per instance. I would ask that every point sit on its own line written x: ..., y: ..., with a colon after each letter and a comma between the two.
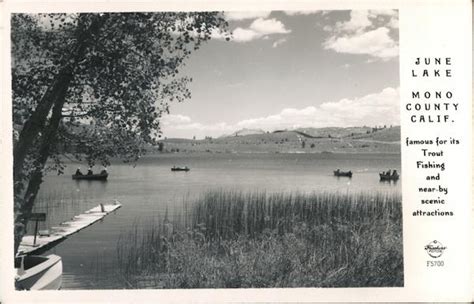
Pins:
x: 389, y: 172
x: 337, y: 171
x: 394, y: 173
x: 78, y: 172
x: 89, y: 171
x: 104, y: 171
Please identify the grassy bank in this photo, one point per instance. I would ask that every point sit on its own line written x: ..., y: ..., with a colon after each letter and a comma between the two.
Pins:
x: 243, y: 240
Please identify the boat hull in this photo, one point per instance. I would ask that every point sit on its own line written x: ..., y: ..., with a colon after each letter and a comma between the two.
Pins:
x: 180, y: 169
x: 44, y: 273
x: 90, y: 177
x: 346, y: 174
x: 388, y: 177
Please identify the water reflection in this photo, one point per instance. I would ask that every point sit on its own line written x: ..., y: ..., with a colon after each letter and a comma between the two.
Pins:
x: 389, y: 182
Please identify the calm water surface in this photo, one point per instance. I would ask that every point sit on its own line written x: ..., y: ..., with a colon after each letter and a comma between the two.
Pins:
x: 148, y: 189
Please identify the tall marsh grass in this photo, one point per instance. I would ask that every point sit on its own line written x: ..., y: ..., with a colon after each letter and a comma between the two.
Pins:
x: 231, y: 239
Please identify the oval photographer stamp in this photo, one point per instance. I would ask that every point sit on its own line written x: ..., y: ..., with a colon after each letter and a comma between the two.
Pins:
x: 435, y: 249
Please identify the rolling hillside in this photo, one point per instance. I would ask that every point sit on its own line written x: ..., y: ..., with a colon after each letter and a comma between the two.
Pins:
x: 308, y: 140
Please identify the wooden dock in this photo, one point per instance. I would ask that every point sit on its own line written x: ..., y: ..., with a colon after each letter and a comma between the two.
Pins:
x: 65, y: 229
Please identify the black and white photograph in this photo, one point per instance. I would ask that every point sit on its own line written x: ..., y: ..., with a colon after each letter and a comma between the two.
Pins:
x: 206, y: 149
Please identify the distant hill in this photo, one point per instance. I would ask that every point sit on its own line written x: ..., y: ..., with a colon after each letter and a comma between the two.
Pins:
x: 333, y: 131
x: 302, y: 140
x: 387, y: 134
x: 245, y: 131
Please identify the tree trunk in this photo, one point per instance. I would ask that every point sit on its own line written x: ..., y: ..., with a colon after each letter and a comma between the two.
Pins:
x: 55, y: 97
x: 26, y: 202
x: 38, y: 118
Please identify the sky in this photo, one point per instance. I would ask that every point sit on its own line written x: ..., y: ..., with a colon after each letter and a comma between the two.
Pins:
x: 292, y: 69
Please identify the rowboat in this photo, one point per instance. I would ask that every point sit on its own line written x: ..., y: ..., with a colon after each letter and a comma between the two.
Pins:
x: 35, y: 272
x: 100, y: 176
x: 389, y: 177
x: 343, y: 173
x: 185, y: 168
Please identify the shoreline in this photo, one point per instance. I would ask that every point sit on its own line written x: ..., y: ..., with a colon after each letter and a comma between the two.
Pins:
x: 154, y: 153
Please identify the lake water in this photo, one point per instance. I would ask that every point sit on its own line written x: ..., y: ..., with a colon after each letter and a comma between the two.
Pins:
x: 149, y: 188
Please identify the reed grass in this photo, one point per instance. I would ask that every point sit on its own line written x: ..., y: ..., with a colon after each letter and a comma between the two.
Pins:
x: 233, y: 239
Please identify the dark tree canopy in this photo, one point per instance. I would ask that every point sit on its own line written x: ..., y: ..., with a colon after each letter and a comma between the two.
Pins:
x: 94, y: 86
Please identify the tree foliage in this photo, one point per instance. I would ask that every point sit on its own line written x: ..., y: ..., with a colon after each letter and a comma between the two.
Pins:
x: 94, y: 86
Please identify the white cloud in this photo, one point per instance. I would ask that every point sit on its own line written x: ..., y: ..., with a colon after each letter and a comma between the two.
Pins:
x: 376, y: 43
x: 182, y: 126
x: 327, y: 28
x: 360, y: 34
x: 358, y: 22
x: 393, y: 23
x: 268, y: 26
x: 259, y: 28
x: 391, y: 14
x: 384, y: 12
x: 279, y: 42
x: 374, y: 109
x: 244, y: 35
x: 175, y: 120
x: 246, y: 15
x: 378, y: 108
x: 305, y: 12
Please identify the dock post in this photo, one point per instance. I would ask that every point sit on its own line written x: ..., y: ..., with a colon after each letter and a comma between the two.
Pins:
x: 38, y: 217
x: 36, y: 232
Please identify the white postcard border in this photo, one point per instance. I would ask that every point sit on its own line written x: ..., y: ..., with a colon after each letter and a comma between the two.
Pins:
x: 427, y: 28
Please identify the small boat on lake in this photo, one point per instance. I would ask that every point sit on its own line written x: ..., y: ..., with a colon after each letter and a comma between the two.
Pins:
x: 101, y: 176
x: 185, y: 168
x: 387, y: 176
x: 342, y: 173
x: 35, y: 272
